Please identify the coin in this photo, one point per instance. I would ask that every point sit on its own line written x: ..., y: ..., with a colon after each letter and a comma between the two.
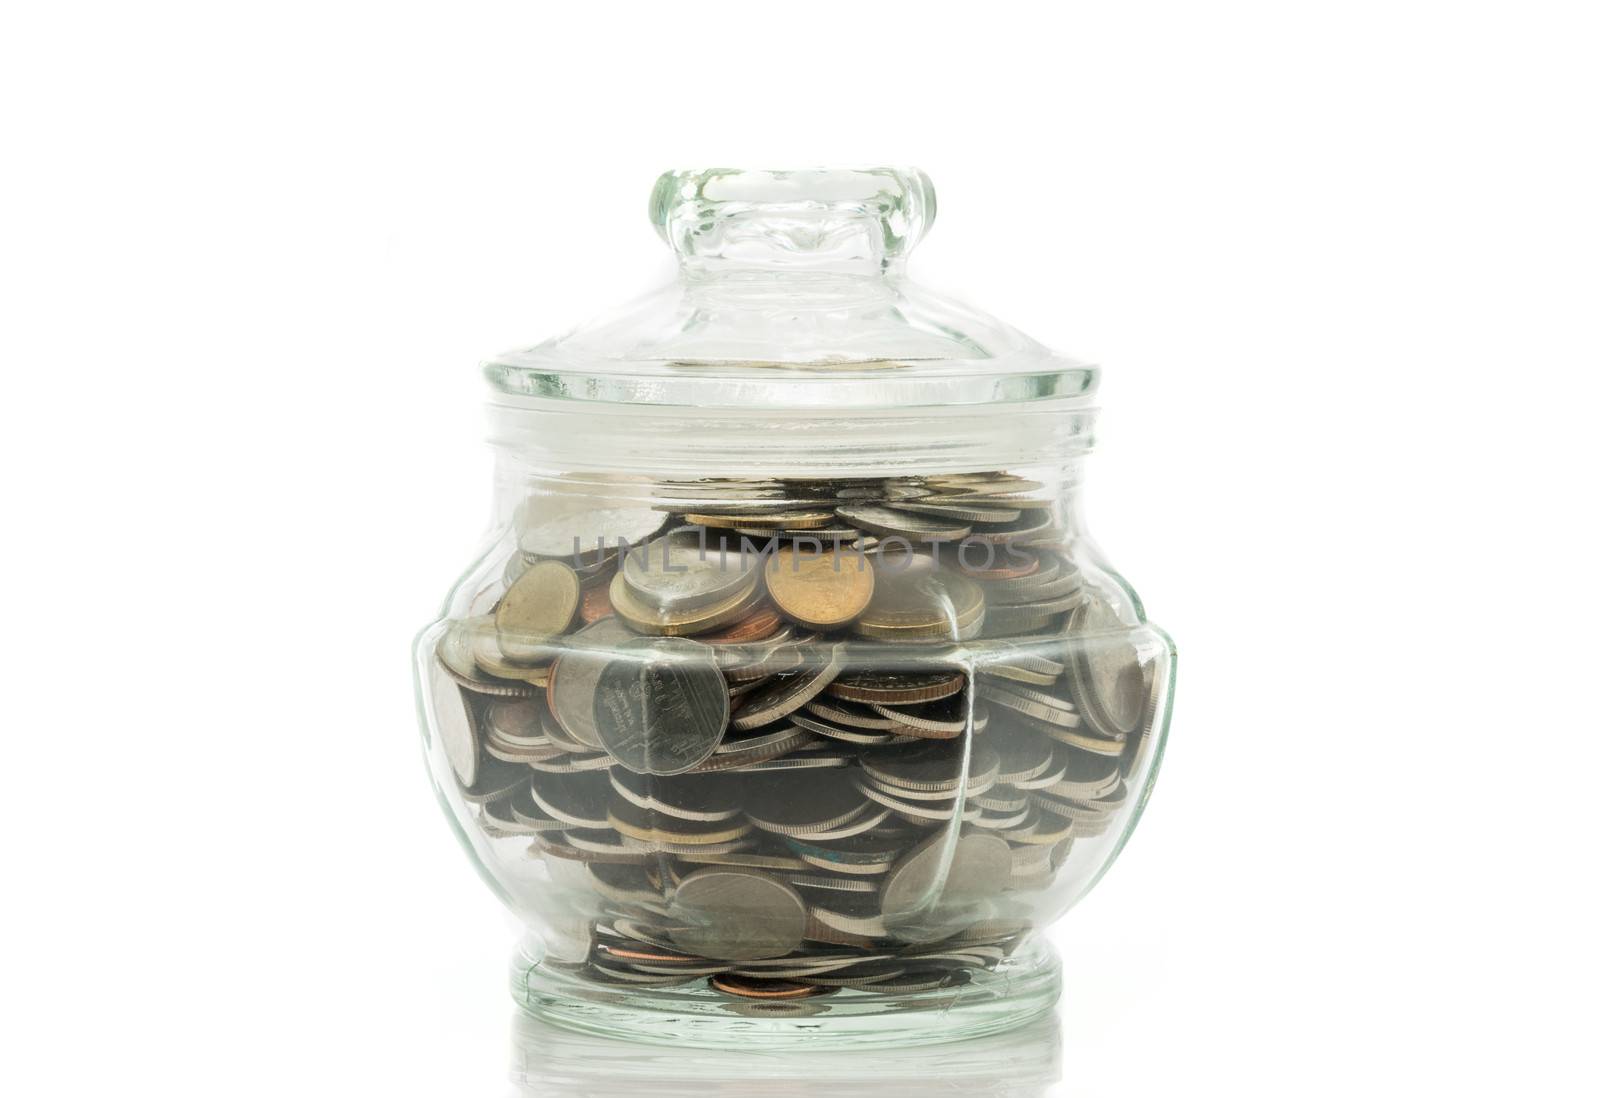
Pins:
x: 661, y: 707
x: 1032, y: 526
x: 1087, y: 775
x: 914, y: 600
x: 896, y: 687
x: 956, y: 509
x: 1023, y: 756
x: 751, y: 753
x: 761, y: 624
x: 687, y: 797
x: 685, y: 619
x: 927, y: 766
x: 736, y: 915
x: 455, y: 654
x: 1034, y: 703
x: 865, y: 855
x: 944, y: 719
x: 518, y: 721
x: 887, y: 522
x: 681, y: 571
x: 813, y: 723
x: 595, y: 605
x: 575, y: 675
x: 526, y: 811
x: 783, y: 805
x: 648, y: 826
x: 495, y: 780
x: 1011, y: 621
x: 579, y: 800
x: 936, y: 887
x: 748, y: 988
x: 792, y: 520
x: 1107, y: 677
x: 782, y: 697
x: 1016, y: 565
x: 824, y: 590
x: 575, y: 525
x: 540, y: 605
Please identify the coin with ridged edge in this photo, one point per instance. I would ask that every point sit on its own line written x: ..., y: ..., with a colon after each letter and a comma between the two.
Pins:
x: 661, y: 707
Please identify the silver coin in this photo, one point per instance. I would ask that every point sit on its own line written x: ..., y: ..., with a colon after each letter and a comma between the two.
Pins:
x: 935, y: 889
x: 712, y: 798
x: 495, y: 781
x: 888, y: 522
x: 806, y: 759
x: 919, y: 812
x: 781, y: 698
x: 455, y: 653
x: 937, y: 720
x: 1032, y: 526
x: 850, y: 714
x: 498, y: 820
x: 957, y: 511
x: 736, y: 914
x: 579, y: 800
x: 526, y: 811
x: 575, y: 675
x: 813, y: 723
x: 1107, y: 678
x: 661, y: 706
x: 867, y: 822
x: 799, y: 805
x: 578, y: 526
x: 1062, y: 589
x: 1088, y: 775
x: 1033, y: 703
x: 681, y: 572
x: 516, y: 722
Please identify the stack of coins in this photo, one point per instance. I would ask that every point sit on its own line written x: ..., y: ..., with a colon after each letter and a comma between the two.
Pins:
x: 797, y: 737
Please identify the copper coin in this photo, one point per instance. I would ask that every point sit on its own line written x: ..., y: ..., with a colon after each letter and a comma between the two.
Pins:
x: 596, y: 604
x: 762, y: 623
x: 749, y: 988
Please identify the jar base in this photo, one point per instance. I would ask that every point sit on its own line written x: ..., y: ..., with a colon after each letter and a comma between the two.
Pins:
x: 1023, y: 987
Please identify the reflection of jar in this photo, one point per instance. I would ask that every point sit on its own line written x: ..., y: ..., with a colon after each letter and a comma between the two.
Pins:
x: 789, y: 696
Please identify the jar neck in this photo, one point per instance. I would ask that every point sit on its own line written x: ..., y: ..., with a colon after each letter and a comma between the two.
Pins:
x: 821, y: 439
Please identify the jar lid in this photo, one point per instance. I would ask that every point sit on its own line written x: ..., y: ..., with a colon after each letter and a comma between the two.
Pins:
x: 792, y: 295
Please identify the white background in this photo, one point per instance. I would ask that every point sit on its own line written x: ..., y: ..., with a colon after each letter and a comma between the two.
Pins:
x: 1340, y: 264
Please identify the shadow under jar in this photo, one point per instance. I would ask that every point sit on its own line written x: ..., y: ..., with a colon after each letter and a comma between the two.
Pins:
x: 789, y: 698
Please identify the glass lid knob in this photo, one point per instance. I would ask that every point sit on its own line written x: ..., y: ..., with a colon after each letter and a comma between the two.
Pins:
x: 851, y: 220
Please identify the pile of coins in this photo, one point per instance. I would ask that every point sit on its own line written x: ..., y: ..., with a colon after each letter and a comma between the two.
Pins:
x: 792, y: 737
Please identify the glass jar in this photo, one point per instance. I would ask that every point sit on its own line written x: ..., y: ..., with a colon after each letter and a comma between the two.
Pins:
x: 789, y: 698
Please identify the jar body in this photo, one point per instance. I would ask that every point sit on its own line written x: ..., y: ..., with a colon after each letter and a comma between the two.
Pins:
x: 789, y: 698
x: 766, y: 747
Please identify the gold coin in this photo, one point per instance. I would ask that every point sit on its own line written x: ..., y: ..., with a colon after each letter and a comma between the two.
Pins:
x: 777, y: 520
x: 821, y: 590
x: 541, y: 604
